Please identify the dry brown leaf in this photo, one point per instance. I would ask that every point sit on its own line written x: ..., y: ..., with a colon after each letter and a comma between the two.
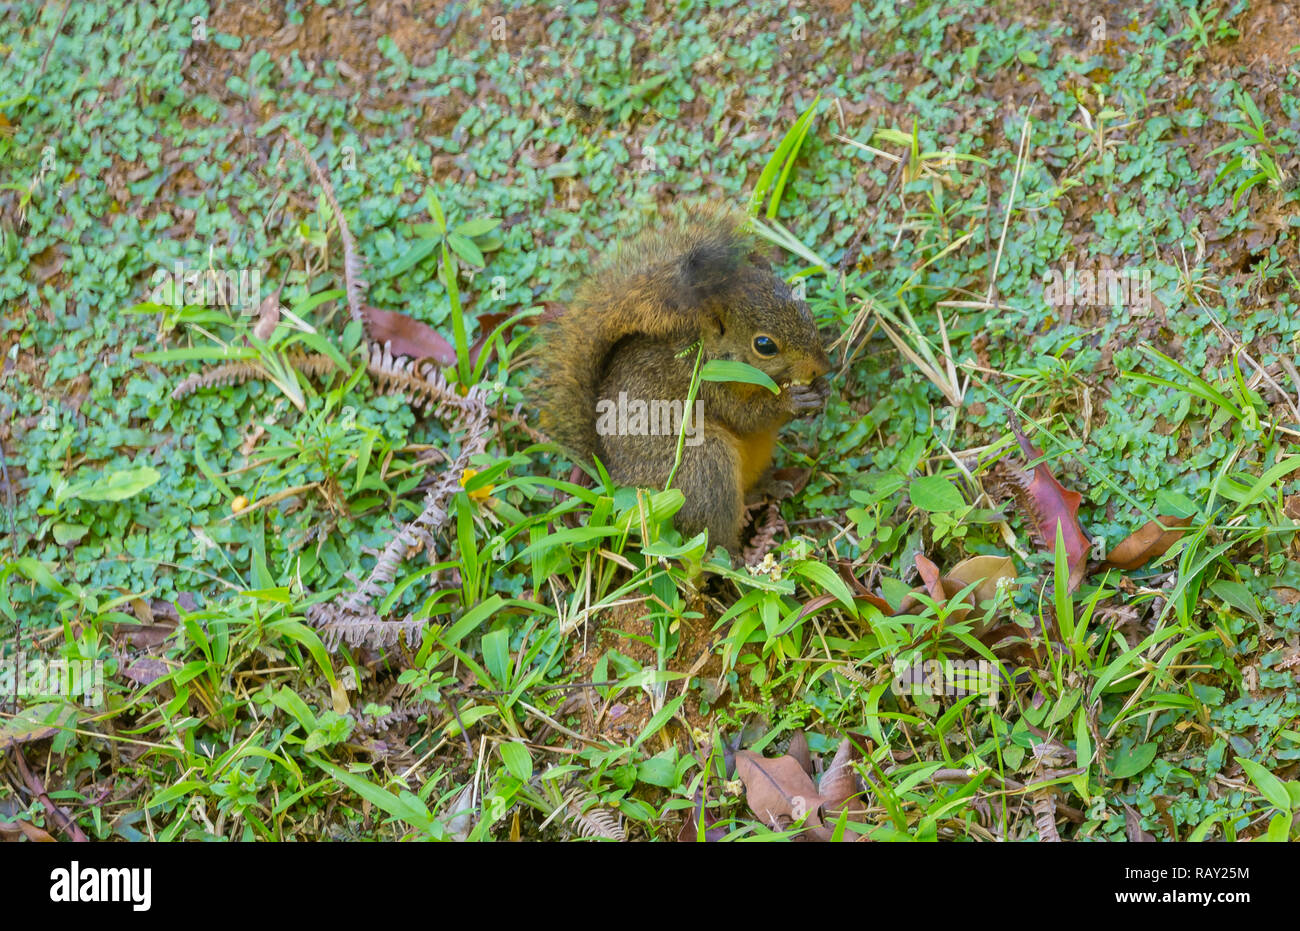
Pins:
x: 779, y: 792
x: 1150, y: 542
x: 36, y: 835
x: 407, y: 336
x: 988, y: 571
x: 487, y: 322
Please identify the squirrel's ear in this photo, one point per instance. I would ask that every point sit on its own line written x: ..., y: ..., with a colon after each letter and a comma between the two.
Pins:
x: 709, y: 265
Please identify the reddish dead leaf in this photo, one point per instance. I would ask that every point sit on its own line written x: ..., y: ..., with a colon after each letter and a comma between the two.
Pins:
x: 930, y: 576
x: 1050, y: 504
x: 876, y: 601
x: 781, y: 790
x: 1291, y: 507
x: 813, y: 605
x: 845, y: 567
x: 552, y: 312
x: 986, y: 573
x: 816, y: 604
x: 1150, y: 542
x: 939, y: 588
x: 408, y: 337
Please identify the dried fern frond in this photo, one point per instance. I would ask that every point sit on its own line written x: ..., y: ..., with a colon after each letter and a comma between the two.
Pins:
x: 770, y: 526
x: 595, y: 821
x: 313, y: 365
x: 227, y: 373
x: 353, y: 266
x: 1045, y: 816
x: 383, y: 723
x: 352, y: 615
x: 419, y: 382
x: 339, y: 624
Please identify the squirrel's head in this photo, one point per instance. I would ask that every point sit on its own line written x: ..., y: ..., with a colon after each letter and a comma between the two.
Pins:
x: 764, y: 324
x: 750, y: 314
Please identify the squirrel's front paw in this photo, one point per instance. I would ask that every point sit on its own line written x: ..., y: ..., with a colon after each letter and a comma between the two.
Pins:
x: 807, y: 399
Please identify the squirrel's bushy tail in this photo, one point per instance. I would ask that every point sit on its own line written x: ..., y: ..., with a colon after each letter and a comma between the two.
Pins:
x: 654, y: 284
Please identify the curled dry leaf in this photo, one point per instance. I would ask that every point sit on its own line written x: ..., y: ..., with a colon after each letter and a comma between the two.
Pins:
x: 268, y: 315
x: 1150, y: 542
x: 1050, y: 504
x: 799, y: 750
x: 930, y: 576
x: 840, y: 789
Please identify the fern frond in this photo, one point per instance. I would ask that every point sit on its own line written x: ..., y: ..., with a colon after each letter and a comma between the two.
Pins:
x: 595, y: 821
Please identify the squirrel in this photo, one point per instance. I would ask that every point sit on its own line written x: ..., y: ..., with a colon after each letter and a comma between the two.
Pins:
x: 622, y: 356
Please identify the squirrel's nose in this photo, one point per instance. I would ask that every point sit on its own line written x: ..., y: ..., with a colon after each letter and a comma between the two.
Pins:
x: 818, y: 366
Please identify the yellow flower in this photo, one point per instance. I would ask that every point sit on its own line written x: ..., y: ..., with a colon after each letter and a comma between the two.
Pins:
x: 478, y: 494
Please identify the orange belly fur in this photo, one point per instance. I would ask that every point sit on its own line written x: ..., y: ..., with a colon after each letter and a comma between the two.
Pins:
x: 755, y: 456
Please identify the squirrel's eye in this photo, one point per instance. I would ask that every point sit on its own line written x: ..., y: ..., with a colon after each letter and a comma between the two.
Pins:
x: 765, y: 346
